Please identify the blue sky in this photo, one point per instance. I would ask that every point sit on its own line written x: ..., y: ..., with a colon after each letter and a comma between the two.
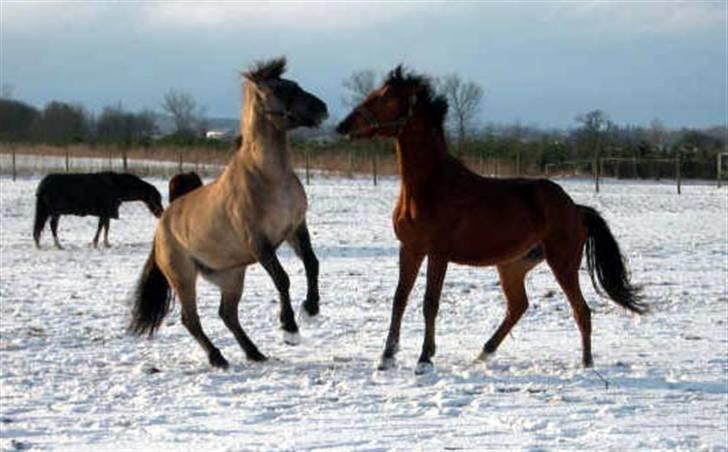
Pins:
x: 539, y: 63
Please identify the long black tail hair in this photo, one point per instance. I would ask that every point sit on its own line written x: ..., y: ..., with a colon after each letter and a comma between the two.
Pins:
x: 152, y: 299
x: 41, y: 215
x: 607, y: 267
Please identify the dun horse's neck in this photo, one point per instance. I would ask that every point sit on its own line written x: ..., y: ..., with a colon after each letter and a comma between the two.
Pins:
x: 264, y: 145
x: 421, y: 152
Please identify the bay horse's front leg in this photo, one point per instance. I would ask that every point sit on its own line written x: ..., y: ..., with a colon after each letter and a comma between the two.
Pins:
x: 436, y: 269
x: 107, y: 222
x: 98, y: 232
x: 300, y: 241
x: 409, y: 265
x: 267, y: 257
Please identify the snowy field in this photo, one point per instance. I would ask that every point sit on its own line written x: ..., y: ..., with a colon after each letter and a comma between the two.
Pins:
x: 72, y: 379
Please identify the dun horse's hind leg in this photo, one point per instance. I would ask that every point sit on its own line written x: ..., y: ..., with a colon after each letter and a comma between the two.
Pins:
x: 300, y: 241
x: 268, y: 259
x: 191, y: 321
x: 564, y: 263
x: 232, y: 289
x: 512, y: 277
x: 54, y: 230
x: 409, y: 265
x: 436, y: 269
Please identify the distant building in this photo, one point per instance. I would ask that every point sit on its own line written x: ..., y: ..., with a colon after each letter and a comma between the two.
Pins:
x: 220, y: 135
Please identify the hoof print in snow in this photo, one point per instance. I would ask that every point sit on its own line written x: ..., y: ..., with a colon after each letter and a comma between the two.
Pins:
x: 151, y: 370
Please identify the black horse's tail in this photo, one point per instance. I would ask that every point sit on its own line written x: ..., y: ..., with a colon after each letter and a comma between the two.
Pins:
x: 152, y: 299
x: 607, y: 267
x: 41, y: 215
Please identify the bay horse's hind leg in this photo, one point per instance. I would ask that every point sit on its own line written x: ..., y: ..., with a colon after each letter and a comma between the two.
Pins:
x: 232, y: 289
x: 512, y: 276
x: 54, y: 230
x: 564, y: 260
x: 300, y: 241
x: 107, y: 222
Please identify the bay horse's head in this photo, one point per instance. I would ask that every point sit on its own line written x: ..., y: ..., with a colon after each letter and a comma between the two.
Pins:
x: 285, y: 103
x: 388, y: 109
x: 133, y: 188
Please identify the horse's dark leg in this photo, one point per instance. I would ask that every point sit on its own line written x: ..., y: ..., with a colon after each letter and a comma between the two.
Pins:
x: 191, y: 321
x: 54, y: 230
x: 300, y: 241
x: 107, y: 222
x: 41, y: 216
x: 436, y: 269
x: 409, y: 265
x: 232, y: 289
x: 268, y: 259
x: 512, y: 277
x: 564, y: 260
x: 98, y: 232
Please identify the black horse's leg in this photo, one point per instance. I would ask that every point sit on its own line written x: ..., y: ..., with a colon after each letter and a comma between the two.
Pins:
x: 54, y: 230
x: 267, y: 257
x: 300, y: 241
x: 409, y: 265
x: 436, y: 269
x: 232, y: 289
x: 107, y: 222
x: 98, y: 232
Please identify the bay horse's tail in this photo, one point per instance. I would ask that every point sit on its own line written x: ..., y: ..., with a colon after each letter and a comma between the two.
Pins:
x: 607, y: 267
x: 152, y: 299
x: 41, y: 215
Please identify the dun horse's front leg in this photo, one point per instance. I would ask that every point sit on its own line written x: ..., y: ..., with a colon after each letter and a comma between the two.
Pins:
x: 300, y: 241
x: 436, y: 269
x: 409, y: 265
x: 267, y: 257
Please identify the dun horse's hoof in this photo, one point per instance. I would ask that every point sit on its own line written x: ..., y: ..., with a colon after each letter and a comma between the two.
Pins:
x: 387, y: 363
x: 424, y: 367
x: 217, y: 360
x: 291, y: 338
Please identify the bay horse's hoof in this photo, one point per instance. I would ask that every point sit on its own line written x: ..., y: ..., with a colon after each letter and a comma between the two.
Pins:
x: 387, y: 363
x: 484, y: 357
x: 424, y: 367
x: 311, y: 308
x: 217, y: 360
x: 291, y: 338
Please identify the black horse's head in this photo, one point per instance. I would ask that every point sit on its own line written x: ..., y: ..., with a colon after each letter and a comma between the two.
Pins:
x: 132, y: 188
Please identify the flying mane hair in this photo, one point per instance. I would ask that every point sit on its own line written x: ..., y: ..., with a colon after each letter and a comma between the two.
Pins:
x: 266, y: 70
x: 436, y: 103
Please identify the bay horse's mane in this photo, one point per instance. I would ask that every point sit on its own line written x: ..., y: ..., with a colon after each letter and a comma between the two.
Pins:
x: 426, y: 94
x: 266, y: 70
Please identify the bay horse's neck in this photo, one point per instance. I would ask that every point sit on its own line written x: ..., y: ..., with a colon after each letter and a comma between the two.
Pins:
x: 264, y: 146
x: 421, y: 152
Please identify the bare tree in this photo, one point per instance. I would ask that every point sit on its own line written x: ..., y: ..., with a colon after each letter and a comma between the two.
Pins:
x: 358, y: 86
x: 7, y: 91
x: 182, y: 107
x: 464, y: 99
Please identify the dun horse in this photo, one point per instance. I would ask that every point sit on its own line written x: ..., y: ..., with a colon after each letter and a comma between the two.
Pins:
x: 450, y: 214
x: 98, y: 194
x: 239, y: 219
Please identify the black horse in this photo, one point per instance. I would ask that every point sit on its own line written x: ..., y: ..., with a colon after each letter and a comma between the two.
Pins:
x: 183, y: 183
x: 97, y: 194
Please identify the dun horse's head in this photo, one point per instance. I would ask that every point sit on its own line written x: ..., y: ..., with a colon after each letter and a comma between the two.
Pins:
x: 285, y: 103
x: 388, y: 109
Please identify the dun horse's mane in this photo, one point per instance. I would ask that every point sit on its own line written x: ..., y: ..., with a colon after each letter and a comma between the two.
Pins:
x: 437, y: 104
x: 266, y: 70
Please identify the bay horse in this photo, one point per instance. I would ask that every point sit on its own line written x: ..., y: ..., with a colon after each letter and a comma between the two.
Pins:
x: 450, y: 214
x: 183, y: 183
x: 97, y: 194
x: 237, y: 220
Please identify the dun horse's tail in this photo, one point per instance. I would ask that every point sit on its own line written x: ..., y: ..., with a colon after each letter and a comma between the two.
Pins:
x: 607, y: 267
x: 41, y: 215
x: 152, y: 299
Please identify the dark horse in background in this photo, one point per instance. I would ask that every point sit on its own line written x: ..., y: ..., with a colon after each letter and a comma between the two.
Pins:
x: 183, y: 183
x: 97, y: 194
x: 450, y: 214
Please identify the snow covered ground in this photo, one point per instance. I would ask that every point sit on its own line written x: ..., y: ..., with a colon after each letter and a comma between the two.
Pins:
x: 71, y: 379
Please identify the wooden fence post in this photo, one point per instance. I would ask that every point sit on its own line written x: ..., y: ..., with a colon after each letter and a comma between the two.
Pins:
x: 719, y: 157
x: 125, y: 163
x: 179, y: 156
x: 595, y: 172
x: 12, y: 149
x: 374, y: 167
x: 678, y: 176
x: 308, y: 168
x: 68, y: 163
